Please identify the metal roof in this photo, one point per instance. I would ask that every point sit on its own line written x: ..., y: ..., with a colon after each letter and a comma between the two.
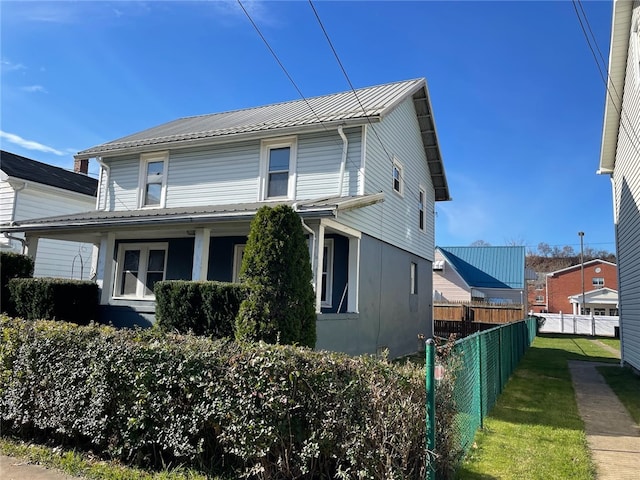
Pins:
x: 24, y: 168
x: 366, y: 105
x: 620, y: 35
x: 102, y: 219
x: 488, y: 267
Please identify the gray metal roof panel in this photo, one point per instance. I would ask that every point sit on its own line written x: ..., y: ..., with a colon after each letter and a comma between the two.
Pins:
x: 366, y: 102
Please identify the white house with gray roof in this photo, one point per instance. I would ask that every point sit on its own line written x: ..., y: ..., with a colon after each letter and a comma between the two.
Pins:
x: 32, y: 189
x: 620, y: 158
x: 362, y: 169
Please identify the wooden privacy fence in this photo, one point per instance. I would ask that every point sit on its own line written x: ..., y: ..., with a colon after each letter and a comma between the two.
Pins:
x: 478, y: 312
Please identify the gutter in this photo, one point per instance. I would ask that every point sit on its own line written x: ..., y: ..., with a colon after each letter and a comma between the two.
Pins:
x: 343, y: 163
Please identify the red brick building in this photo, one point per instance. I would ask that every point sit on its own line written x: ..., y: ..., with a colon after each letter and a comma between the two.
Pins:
x: 562, y: 284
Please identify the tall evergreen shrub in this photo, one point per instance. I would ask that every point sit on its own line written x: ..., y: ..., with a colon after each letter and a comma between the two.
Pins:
x: 280, y: 305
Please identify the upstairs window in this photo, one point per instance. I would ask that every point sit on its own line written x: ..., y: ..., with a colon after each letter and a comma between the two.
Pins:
x: 153, y: 176
x: 422, y: 208
x: 278, y: 168
x: 398, y: 186
x: 597, y: 282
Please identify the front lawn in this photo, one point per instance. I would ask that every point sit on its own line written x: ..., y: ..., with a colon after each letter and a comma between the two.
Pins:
x: 626, y: 385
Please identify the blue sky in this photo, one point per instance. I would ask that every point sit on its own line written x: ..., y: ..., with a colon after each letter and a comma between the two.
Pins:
x: 517, y: 97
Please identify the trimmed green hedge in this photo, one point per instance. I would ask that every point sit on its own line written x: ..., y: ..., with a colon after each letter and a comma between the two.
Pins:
x: 55, y: 299
x: 201, y: 308
x: 12, y: 265
x: 241, y: 410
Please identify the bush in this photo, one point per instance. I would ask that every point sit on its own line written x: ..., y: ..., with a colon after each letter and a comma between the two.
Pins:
x: 12, y: 265
x: 280, y: 306
x: 241, y: 410
x: 55, y: 299
x: 202, y: 308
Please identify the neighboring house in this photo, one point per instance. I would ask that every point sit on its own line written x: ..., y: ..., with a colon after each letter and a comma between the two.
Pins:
x: 537, y: 293
x: 484, y: 274
x: 620, y: 158
x: 31, y: 189
x: 362, y: 170
x: 564, y: 289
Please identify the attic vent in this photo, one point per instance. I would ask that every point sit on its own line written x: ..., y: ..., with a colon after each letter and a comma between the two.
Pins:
x: 438, y: 266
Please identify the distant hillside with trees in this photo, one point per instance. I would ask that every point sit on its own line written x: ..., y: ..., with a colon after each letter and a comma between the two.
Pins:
x: 549, y: 259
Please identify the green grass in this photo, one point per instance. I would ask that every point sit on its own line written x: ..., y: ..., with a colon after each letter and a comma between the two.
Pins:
x: 612, y: 342
x: 535, y: 431
x: 626, y: 385
x: 86, y: 466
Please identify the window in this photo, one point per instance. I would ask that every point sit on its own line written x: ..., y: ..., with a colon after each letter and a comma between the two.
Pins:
x: 397, y: 177
x: 153, y: 176
x: 413, y: 273
x: 599, y: 311
x: 422, y: 208
x: 614, y: 312
x: 278, y: 168
x: 140, y: 266
x: 585, y: 311
x: 327, y: 273
x: 238, y: 254
x: 539, y: 299
x: 598, y: 282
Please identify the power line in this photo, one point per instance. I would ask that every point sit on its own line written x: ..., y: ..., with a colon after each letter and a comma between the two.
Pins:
x: 635, y: 141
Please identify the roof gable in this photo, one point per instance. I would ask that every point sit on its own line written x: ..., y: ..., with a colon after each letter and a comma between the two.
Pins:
x: 595, y: 261
x: 488, y: 267
x: 24, y: 168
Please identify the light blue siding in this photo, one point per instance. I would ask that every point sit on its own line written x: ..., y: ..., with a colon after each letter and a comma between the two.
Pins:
x: 395, y: 221
x: 122, y: 190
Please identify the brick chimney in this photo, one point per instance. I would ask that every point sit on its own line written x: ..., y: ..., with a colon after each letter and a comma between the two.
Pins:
x: 81, y: 166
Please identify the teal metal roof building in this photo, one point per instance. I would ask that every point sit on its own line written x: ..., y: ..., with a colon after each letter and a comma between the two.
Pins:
x: 488, y: 267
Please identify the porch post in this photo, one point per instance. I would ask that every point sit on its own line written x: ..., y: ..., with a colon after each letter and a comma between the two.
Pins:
x: 319, y: 265
x: 31, y: 244
x: 354, y: 274
x: 104, y: 270
x: 201, y: 254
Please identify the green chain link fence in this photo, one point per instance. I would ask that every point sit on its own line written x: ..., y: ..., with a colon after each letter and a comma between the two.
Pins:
x: 482, y: 365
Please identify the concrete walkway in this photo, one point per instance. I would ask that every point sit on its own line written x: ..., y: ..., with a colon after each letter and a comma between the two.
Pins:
x: 612, y: 435
x: 15, y: 469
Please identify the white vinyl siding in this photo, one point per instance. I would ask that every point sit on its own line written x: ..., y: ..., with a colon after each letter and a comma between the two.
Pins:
x: 319, y: 158
x: 627, y: 204
x: 394, y: 220
x: 122, y: 189
x: 6, y: 201
x: 57, y: 258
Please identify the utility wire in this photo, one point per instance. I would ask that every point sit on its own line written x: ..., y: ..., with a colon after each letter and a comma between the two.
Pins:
x: 635, y: 140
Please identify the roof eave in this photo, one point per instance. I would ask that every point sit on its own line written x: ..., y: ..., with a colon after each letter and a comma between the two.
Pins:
x: 212, y: 140
x: 620, y: 34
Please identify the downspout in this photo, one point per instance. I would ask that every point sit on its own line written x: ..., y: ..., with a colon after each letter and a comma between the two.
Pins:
x: 345, y: 146
x: 615, y: 231
x: 13, y: 214
x: 104, y: 168
x: 311, y: 232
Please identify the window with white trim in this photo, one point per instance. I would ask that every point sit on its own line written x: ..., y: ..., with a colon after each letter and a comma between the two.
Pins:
x: 398, y: 185
x: 238, y: 254
x: 539, y: 299
x: 140, y: 266
x: 278, y: 168
x: 422, y: 208
x: 327, y: 273
x: 413, y: 273
x: 153, y: 180
x: 597, y: 282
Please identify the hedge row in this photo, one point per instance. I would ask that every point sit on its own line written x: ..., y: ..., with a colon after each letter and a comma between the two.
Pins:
x: 55, y: 299
x: 12, y: 265
x: 201, y: 308
x: 244, y: 410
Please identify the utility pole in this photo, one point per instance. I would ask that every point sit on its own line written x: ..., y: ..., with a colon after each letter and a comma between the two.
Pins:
x: 581, y: 235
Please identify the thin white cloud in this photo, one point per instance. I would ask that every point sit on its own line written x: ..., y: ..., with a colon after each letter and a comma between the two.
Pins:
x: 29, y: 144
x: 8, y: 66
x: 256, y: 9
x: 34, y: 89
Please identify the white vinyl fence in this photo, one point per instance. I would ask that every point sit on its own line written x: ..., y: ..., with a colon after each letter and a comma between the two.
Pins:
x: 579, y: 324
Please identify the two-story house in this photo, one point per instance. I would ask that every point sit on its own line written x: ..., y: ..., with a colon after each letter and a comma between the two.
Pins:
x: 564, y: 289
x: 363, y: 170
x: 620, y: 158
x: 32, y: 189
